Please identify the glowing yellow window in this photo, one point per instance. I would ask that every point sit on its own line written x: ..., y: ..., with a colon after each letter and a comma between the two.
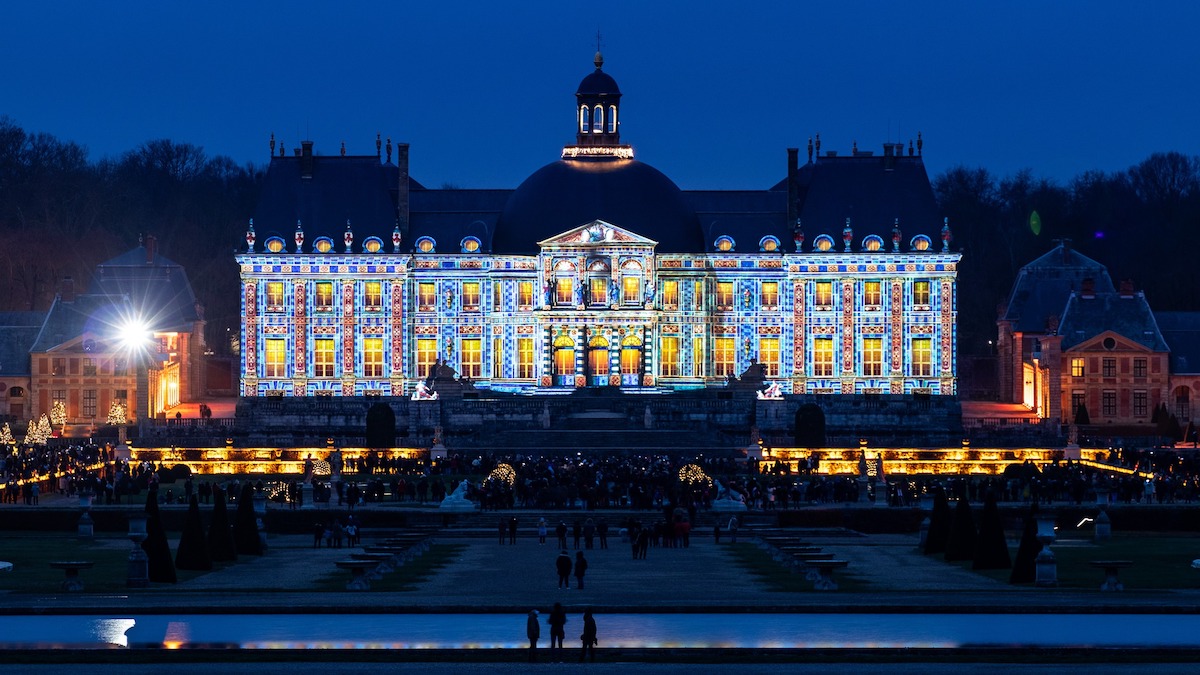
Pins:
x: 822, y: 357
x: 427, y: 353
x: 598, y: 290
x: 323, y: 363
x: 275, y: 363
x: 525, y: 358
x: 497, y: 358
x: 768, y: 355
x: 525, y: 293
x: 564, y: 291
x: 274, y: 296
x: 564, y: 357
x: 698, y: 356
x: 724, y: 356
x: 373, y: 245
x: 921, y: 293
x: 472, y: 357
x: 275, y: 245
x: 1077, y: 368
x: 872, y: 295
x: 872, y: 355
x: 724, y: 294
x: 668, y: 356
x: 823, y: 294
x: 670, y: 296
x: 770, y: 294
x: 324, y: 245
x: 698, y: 294
x: 470, y: 296
x: 373, y: 296
x: 631, y: 290
x: 922, y: 357
x: 426, y: 295
x: 323, y: 296
x: 372, y: 357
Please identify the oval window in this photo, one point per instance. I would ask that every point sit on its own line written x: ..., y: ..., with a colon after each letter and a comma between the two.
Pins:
x: 426, y: 245
x: 275, y: 245
x: 323, y: 245
x: 723, y: 243
x: 373, y: 245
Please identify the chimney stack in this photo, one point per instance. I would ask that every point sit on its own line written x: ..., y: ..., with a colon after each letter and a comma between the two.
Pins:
x: 793, y: 169
x: 306, y: 159
x: 402, y: 191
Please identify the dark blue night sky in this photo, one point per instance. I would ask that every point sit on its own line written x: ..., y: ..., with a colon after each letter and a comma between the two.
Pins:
x: 713, y: 92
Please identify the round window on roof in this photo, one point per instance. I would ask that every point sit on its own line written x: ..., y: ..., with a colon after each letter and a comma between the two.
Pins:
x: 372, y: 245
x: 426, y: 245
x: 275, y: 245
x: 323, y: 245
x: 470, y: 245
x: 823, y: 243
x: 723, y: 243
x: 1109, y: 343
x: 873, y: 243
x: 920, y: 243
x: 768, y: 244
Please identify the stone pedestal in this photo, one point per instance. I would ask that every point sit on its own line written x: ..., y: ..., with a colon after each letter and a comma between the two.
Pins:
x: 923, y: 536
x: 306, y: 497
x: 881, y: 493
x: 863, y: 497
x: 86, y: 527
x: 1103, y: 527
x: 1045, y: 566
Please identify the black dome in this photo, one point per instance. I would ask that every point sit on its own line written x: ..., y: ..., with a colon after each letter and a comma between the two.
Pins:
x: 572, y: 192
x: 596, y: 84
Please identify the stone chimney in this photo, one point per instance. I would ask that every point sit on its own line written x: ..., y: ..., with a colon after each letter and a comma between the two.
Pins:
x: 306, y: 159
x: 402, y: 190
x: 793, y: 169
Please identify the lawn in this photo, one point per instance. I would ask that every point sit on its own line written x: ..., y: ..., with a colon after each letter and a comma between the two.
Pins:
x: 754, y: 560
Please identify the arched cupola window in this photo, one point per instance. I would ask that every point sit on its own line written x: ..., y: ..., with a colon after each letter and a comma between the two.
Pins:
x: 598, y: 120
x: 612, y: 119
x: 584, y: 119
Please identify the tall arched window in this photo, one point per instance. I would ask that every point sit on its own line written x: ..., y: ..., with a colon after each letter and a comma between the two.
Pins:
x: 612, y: 119
x: 598, y: 120
x: 564, y: 361
x: 583, y: 119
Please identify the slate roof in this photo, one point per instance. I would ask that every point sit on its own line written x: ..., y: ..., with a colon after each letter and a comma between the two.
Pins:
x: 451, y: 215
x: 157, y: 286
x: 745, y: 215
x: 871, y: 190
x: 1182, y: 333
x: 1128, y: 316
x: 1043, y: 287
x: 96, y: 314
x: 18, y: 331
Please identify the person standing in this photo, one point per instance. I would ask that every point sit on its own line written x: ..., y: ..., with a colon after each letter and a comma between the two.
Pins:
x: 563, y: 565
x: 577, y: 532
x: 561, y: 531
x: 503, y: 530
x: 533, y: 630
x: 733, y: 527
x: 512, y: 530
x: 602, y: 530
x: 589, y: 533
x: 541, y: 530
x: 589, y: 635
x: 558, y: 626
x: 581, y: 566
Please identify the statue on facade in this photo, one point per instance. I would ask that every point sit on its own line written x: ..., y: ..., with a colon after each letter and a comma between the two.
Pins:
x: 773, y: 392
x: 424, y: 393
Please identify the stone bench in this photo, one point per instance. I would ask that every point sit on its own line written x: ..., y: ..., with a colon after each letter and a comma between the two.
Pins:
x: 72, y: 583
x: 358, y: 573
x: 825, y: 568
x: 1111, y: 568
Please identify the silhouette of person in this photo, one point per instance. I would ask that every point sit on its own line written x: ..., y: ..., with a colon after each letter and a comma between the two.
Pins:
x: 558, y: 623
x: 563, y: 565
x: 589, y: 635
x: 533, y: 630
x: 581, y: 566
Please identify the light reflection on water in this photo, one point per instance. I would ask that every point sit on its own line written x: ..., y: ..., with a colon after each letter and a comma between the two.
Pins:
x: 507, y: 631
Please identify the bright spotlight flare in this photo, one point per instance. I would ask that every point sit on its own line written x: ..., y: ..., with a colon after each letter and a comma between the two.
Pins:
x: 134, y: 334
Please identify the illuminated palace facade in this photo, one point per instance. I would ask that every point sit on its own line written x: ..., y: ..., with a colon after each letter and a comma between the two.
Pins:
x: 597, y: 272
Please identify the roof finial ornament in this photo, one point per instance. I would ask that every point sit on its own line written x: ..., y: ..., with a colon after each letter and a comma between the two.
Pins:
x: 810, y: 149
x: 396, y: 239
x: 343, y: 148
x: 377, y: 144
x: 847, y: 235
x: 910, y: 148
x: 389, y: 150
x: 299, y: 237
x: 599, y: 60
x: 281, y: 150
x: 818, y: 146
x: 249, y: 237
x: 798, y: 237
x: 854, y: 148
x: 896, y: 237
x: 348, y: 238
x: 919, y: 144
x: 946, y: 235
x: 272, y: 144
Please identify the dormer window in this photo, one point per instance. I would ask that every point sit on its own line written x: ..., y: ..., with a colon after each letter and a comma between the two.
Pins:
x: 724, y: 243
x: 823, y: 243
x: 323, y: 245
x: 426, y: 245
x: 920, y: 243
x: 275, y: 245
x: 873, y: 243
x: 372, y: 245
x: 768, y: 244
x: 470, y: 245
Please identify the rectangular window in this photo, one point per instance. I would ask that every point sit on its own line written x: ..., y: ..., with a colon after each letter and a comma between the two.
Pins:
x: 564, y: 291
x: 724, y: 356
x: 427, y: 354
x: 1108, y: 403
x: 120, y: 395
x: 823, y: 295
x: 725, y: 295
x: 872, y: 364
x: 472, y: 357
x: 373, y: 296
x: 598, y: 290
x: 470, y: 296
x: 1141, y: 402
x: 120, y: 366
x: 922, y: 357
x: 274, y: 296
x: 872, y: 295
x: 58, y: 396
x: 921, y: 293
x: 323, y: 357
x: 323, y: 296
x: 631, y: 290
x: 668, y: 356
x: 1139, y: 367
x: 670, y: 296
x: 497, y: 296
x: 770, y: 294
x: 1077, y: 367
x: 1078, y: 400
x: 768, y: 355
x: 372, y: 357
x: 275, y: 363
x: 525, y: 358
x: 698, y: 357
x: 497, y: 358
x: 525, y: 294
x: 823, y: 357
x: 698, y: 295
x: 89, y: 403
x: 426, y: 296
x: 58, y: 366
x: 89, y: 366
x: 1108, y: 368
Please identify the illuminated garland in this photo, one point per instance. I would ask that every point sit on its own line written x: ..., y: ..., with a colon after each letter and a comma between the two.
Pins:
x: 503, y: 473
x: 694, y: 476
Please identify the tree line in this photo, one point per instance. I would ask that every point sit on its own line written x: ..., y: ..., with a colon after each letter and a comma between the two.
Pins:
x: 61, y: 213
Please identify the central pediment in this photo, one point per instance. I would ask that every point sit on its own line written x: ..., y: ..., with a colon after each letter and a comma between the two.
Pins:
x: 596, y: 233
